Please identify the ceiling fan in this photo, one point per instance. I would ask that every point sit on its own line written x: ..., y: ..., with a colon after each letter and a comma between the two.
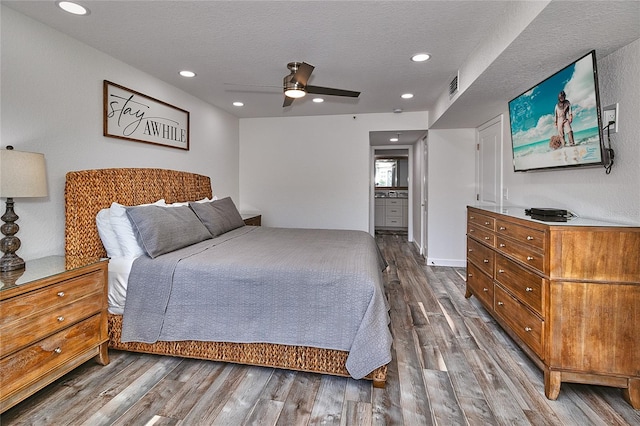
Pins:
x: 295, y: 84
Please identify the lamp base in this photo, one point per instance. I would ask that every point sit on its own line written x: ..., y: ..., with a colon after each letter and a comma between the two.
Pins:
x: 11, y: 262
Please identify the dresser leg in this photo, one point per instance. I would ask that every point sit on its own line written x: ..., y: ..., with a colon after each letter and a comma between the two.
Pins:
x: 632, y: 393
x: 467, y: 293
x: 103, y: 354
x: 552, y: 382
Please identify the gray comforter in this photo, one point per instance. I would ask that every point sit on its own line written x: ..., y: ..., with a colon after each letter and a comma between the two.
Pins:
x: 319, y: 288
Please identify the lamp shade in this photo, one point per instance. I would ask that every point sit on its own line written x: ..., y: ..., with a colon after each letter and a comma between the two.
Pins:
x: 22, y: 174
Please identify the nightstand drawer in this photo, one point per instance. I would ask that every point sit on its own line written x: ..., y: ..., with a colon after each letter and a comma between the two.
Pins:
x: 28, y: 365
x: 22, y: 333
x: 64, y: 293
x: 252, y: 220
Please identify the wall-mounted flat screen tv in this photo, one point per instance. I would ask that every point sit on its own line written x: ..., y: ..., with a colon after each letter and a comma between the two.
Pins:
x: 556, y: 123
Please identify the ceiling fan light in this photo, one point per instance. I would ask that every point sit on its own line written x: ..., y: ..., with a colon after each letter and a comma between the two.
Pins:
x: 295, y: 93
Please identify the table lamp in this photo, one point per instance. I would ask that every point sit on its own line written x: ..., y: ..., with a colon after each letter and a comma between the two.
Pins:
x: 22, y: 174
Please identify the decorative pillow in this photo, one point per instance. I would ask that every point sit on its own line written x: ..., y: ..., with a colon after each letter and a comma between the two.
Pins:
x: 186, y: 203
x: 124, y: 231
x: 162, y: 230
x: 107, y: 234
x: 218, y: 216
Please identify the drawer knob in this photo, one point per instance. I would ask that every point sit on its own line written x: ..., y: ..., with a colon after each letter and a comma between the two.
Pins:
x: 529, y: 289
x: 61, y: 294
x: 500, y: 303
x: 58, y: 350
x: 529, y: 257
x: 485, y: 260
x: 502, y: 228
x: 60, y: 318
x: 527, y: 329
x: 501, y: 271
x: 529, y: 237
x: 472, y: 217
x: 471, y: 230
x: 502, y: 245
x: 485, y: 289
x: 486, y: 223
x: 470, y: 250
x: 470, y: 275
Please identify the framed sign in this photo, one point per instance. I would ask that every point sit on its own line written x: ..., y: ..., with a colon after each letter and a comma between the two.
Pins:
x: 136, y: 117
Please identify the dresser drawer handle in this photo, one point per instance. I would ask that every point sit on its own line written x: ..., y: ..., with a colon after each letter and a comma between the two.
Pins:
x: 529, y: 258
x: 529, y: 289
x: 486, y: 223
x: 529, y: 237
x: 527, y: 329
x: 502, y: 245
x: 472, y: 217
x: 485, y: 260
x: 61, y: 294
x: 500, y: 303
x: 502, y: 228
x: 501, y: 271
x: 470, y: 275
x: 486, y: 238
x: 470, y: 250
x: 471, y: 230
x: 60, y: 318
x: 485, y: 289
x: 58, y: 350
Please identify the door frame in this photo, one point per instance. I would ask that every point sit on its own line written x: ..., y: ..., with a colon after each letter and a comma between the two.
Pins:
x: 500, y: 158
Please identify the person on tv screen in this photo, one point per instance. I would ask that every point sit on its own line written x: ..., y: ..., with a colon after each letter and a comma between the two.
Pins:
x: 563, y: 118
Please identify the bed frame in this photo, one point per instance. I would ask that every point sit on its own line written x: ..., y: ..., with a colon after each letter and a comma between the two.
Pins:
x: 88, y: 191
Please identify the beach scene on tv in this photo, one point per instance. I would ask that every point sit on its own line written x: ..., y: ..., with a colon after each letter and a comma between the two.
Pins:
x: 555, y: 123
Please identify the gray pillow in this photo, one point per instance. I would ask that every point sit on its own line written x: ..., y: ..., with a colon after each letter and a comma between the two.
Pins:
x: 161, y: 230
x: 218, y: 216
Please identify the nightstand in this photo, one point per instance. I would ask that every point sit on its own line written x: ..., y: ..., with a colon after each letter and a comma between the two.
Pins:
x: 52, y: 320
x: 252, y: 219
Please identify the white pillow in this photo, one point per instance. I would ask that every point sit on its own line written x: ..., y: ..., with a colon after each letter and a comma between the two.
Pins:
x: 107, y: 234
x: 124, y: 231
x: 186, y: 203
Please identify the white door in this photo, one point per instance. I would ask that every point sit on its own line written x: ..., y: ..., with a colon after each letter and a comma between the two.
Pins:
x: 489, y: 162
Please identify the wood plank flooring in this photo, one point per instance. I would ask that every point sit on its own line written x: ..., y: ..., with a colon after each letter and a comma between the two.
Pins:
x: 452, y: 365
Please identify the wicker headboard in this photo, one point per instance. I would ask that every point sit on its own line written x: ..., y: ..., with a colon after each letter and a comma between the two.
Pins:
x: 88, y: 191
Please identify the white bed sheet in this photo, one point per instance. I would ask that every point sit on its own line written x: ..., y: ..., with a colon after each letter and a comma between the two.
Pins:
x: 119, y: 269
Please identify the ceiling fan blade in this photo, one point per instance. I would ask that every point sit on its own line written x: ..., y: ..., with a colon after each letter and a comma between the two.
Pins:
x: 303, y: 73
x: 332, y: 92
x: 287, y: 102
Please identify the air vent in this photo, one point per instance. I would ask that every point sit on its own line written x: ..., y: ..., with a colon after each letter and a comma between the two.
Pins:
x: 453, y: 85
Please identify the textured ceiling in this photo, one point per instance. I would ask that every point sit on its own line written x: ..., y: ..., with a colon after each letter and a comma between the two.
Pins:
x: 355, y: 45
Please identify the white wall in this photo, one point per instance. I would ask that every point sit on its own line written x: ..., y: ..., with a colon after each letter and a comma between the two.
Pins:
x: 313, y: 172
x: 51, y: 87
x: 451, y: 177
x: 590, y: 192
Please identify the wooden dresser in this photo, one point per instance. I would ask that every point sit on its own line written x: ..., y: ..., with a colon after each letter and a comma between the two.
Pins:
x: 51, y: 321
x: 567, y: 292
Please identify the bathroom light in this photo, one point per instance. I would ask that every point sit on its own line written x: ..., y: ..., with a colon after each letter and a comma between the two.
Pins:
x: 420, y: 57
x: 407, y: 96
x: 73, y: 8
x: 318, y: 100
x: 238, y: 104
x: 186, y: 73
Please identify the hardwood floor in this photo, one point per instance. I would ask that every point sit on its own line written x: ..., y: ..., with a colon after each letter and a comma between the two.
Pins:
x: 452, y: 365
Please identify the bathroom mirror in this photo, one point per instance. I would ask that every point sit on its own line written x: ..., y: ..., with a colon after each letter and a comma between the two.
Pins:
x: 391, y: 172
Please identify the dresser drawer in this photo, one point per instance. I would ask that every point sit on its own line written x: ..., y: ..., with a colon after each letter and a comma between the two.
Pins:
x: 525, y: 285
x: 522, y: 234
x: 482, y: 234
x: 22, y: 333
x: 482, y: 220
x: 480, y: 284
x: 64, y: 293
x: 482, y: 256
x: 28, y: 365
x: 525, y: 254
x: 521, y: 320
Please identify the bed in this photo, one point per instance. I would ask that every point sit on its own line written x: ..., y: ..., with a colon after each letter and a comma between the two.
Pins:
x: 89, y: 191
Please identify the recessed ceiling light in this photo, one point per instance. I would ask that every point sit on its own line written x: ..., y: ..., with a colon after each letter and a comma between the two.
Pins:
x: 238, y: 104
x: 74, y: 8
x: 186, y: 73
x: 393, y: 140
x: 318, y: 100
x: 420, y: 57
x: 407, y: 96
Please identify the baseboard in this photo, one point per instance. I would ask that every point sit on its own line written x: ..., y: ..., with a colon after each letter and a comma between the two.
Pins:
x: 456, y: 263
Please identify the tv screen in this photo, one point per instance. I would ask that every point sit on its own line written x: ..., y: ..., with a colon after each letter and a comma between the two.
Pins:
x: 556, y: 123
